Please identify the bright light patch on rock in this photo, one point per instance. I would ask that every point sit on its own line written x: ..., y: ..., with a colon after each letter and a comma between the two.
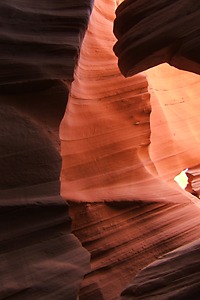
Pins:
x: 119, y: 2
x: 182, y: 179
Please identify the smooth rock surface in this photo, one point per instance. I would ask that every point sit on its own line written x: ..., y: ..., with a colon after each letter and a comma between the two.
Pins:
x: 40, y: 43
x: 173, y: 276
x: 40, y: 40
x: 174, y: 121
x: 39, y: 256
x: 124, y: 237
x: 123, y: 140
x: 106, y: 158
x: 153, y: 32
x: 105, y: 133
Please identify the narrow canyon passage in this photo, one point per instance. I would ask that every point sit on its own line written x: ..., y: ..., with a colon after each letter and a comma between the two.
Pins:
x: 120, y: 159
x: 102, y: 226
x: 105, y: 133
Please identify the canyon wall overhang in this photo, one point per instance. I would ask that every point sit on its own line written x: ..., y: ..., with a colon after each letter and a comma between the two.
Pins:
x: 126, y: 138
x: 153, y: 32
x: 173, y: 276
x: 122, y: 139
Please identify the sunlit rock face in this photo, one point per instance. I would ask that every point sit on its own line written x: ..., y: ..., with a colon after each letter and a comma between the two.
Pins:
x: 193, y: 175
x: 123, y: 142
x: 100, y: 123
x: 122, y: 139
x: 105, y: 133
x: 105, y: 129
x: 175, y: 123
x: 152, y: 32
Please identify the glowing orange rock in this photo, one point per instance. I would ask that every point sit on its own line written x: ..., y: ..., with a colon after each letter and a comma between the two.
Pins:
x: 175, y: 122
x: 105, y: 132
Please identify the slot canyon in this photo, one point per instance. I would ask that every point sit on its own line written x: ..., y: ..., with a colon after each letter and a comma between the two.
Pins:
x: 99, y: 149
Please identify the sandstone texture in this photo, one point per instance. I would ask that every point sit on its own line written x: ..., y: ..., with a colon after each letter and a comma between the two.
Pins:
x: 88, y: 203
x: 39, y: 257
x: 106, y: 136
x: 125, y: 237
x: 153, y: 32
x: 125, y: 140
x: 173, y: 276
x: 40, y: 40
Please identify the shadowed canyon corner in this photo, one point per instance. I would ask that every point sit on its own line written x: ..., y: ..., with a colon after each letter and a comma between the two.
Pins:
x: 99, y: 150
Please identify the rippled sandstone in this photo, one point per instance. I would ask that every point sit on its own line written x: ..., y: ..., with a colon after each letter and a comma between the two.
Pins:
x: 123, y: 142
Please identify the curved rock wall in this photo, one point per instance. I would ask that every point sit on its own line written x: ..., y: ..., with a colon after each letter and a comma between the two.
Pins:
x: 150, y: 33
x: 175, y: 123
x: 40, y: 40
x: 173, y: 276
x: 40, y: 258
x: 40, y: 43
x: 118, y: 147
x: 125, y: 237
x: 122, y: 140
x: 105, y: 133
x: 106, y: 124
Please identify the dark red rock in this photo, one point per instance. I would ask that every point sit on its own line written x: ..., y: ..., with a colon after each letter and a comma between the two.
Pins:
x: 40, y: 257
x: 124, y: 239
x: 173, y: 276
x: 40, y: 40
x: 152, y: 32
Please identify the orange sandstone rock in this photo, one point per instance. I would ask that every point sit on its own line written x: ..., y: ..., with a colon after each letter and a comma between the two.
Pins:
x: 105, y: 133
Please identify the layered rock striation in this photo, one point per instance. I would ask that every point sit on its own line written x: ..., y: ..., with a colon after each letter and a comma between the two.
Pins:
x: 40, y: 40
x: 124, y: 237
x: 40, y: 257
x: 150, y: 33
x: 175, y: 135
x: 105, y: 133
x: 106, y: 124
x: 173, y: 276
x: 123, y: 142
x: 40, y: 43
